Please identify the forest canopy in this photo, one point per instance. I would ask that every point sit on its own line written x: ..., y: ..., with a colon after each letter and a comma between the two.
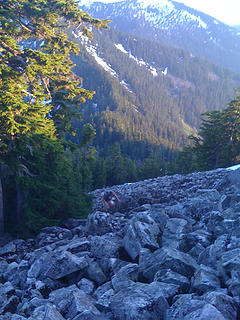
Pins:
x: 39, y: 96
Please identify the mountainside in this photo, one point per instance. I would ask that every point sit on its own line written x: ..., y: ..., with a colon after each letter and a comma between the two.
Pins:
x: 237, y: 27
x: 175, y: 24
x: 171, y: 252
x: 147, y: 93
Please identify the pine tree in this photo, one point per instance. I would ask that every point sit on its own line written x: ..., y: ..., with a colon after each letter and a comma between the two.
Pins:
x: 218, y: 141
x: 87, y: 156
x: 39, y: 94
x: 115, y: 165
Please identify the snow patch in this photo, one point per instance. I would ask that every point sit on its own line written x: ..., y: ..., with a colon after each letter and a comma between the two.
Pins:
x: 88, y: 3
x: 192, y: 17
x: 125, y: 85
x: 154, y: 71
x: 140, y: 62
x: 165, y: 71
x: 237, y: 166
x: 100, y: 61
x: 159, y: 3
x: 120, y: 47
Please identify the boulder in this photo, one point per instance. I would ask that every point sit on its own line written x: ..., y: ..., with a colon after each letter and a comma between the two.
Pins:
x: 95, y: 273
x: 168, y: 276
x: 56, y: 265
x: 48, y: 312
x: 86, y: 285
x: 208, y: 312
x: 8, y: 304
x: 50, y: 235
x: 205, y: 279
x: 159, y: 216
x: 102, y: 290
x: 139, y: 302
x: 72, y: 223
x: 105, y: 246
x: 224, y: 303
x: 125, y: 277
x: 166, y: 258
x: 213, y: 253
x: 231, y: 260
x: 184, y: 305
x: 104, y: 302
x: 88, y: 315
x: 72, y: 301
x: 9, y: 248
x: 142, y: 232
x: 99, y: 223
x: 174, y: 230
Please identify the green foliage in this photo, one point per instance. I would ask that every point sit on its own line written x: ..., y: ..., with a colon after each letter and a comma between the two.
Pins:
x: 39, y: 96
x: 218, y: 141
x: 160, y: 111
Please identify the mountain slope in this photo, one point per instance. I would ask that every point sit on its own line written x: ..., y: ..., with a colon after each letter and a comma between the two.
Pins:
x: 147, y: 93
x: 175, y: 24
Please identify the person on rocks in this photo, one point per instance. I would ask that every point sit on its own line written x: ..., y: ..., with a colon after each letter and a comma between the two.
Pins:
x: 111, y: 201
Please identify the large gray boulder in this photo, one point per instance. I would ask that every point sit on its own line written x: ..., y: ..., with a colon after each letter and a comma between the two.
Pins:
x: 105, y: 246
x: 168, y: 276
x: 224, y: 303
x: 139, y: 302
x: 205, y: 279
x: 72, y: 301
x: 56, y: 265
x: 174, y: 231
x: 208, y: 312
x: 99, y: 223
x: 166, y: 258
x: 142, y: 232
x: 184, y: 305
x: 50, y: 235
x: 48, y: 312
x: 125, y: 277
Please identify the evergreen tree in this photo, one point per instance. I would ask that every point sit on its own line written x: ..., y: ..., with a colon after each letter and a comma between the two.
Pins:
x: 115, y: 166
x: 218, y: 141
x: 39, y: 95
x: 87, y: 156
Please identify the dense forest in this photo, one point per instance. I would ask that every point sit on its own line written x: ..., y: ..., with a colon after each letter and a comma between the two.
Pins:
x: 39, y: 97
x: 55, y: 146
x: 149, y: 110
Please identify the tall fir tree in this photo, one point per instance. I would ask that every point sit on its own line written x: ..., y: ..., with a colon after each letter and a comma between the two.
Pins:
x: 39, y: 94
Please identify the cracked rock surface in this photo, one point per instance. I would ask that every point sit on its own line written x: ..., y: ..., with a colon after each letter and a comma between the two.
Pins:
x: 171, y: 251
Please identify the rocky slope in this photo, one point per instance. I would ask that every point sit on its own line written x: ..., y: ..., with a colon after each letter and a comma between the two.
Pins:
x: 171, y: 251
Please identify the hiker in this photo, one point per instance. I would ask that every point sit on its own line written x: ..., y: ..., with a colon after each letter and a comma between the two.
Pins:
x: 111, y: 200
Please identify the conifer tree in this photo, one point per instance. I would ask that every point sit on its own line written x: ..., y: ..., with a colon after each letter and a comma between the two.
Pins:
x: 39, y: 94
x: 218, y: 141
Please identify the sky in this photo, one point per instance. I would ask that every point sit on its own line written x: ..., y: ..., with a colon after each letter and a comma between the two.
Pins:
x: 227, y: 11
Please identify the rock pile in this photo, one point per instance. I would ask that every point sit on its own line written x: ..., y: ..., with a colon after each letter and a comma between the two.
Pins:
x: 171, y: 252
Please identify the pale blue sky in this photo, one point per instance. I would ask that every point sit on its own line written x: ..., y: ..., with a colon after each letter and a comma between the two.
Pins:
x: 227, y: 11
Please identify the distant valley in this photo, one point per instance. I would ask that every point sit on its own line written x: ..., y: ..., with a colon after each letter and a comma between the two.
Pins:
x: 149, y: 90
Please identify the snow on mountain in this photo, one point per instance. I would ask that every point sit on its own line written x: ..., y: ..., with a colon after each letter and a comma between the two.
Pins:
x: 152, y: 11
x: 120, y: 47
x: 93, y: 52
x: 140, y: 62
x: 172, y: 23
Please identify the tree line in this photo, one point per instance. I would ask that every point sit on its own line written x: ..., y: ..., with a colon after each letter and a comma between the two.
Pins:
x: 39, y: 97
x: 217, y: 143
x: 47, y: 163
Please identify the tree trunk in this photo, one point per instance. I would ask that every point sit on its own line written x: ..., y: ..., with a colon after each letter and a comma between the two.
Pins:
x: 1, y: 211
x: 19, y: 203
